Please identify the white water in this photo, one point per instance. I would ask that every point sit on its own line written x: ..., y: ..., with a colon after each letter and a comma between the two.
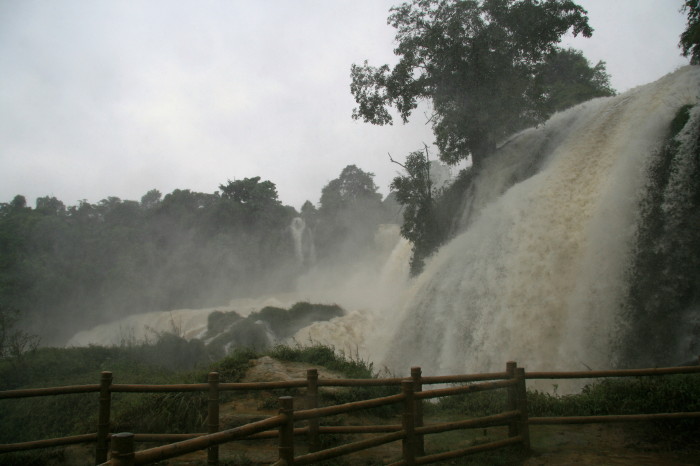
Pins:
x: 304, y: 247
x: 537, y: 276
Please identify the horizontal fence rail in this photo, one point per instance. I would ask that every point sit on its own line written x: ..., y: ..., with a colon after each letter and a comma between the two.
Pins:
x: 411, y: 431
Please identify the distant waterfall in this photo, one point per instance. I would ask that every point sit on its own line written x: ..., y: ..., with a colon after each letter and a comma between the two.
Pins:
x: 304, y: 248
x: 540, y: 274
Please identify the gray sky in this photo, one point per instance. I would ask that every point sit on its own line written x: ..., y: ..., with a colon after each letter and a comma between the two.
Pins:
x: 113, y: 98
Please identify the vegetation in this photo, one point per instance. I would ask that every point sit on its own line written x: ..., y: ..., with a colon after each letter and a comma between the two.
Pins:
x: 185, y: 412
x: 690, y: 38
x: 665, y: 275
x: 489, y: 68
x: 156, y: 413
x: 416, y: 192
x: 350, y: 210
x: 91, y: 263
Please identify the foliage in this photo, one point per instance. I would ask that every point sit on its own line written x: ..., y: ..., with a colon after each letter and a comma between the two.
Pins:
x: 568, y: 79
x: 93, y: 262
x: 351, y: 187
x: 14, y: 342
x: 232, y: 368
x: 324, y: 356
x: 349, y: 213
x: 664, y: 276
x: 416, y: 193
x: 690, y: 38
x: 486, y: 67
x: 610, y: 396
x: 353, y: 368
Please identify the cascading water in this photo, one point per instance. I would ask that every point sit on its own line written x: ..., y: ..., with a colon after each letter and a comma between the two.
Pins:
x: 540, y: 273
x: 304, y: 247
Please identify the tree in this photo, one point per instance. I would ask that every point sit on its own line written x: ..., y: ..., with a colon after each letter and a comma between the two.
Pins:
x: 151, y: 199
x: 353, y: 186
x: 13, y: 341
x: 477, y: 62
x: 251, y: 191
x: 567, y: 79
x: 49, y: 205
x: 416, y: 193
x: 690, y: 38
x: 350, y: 211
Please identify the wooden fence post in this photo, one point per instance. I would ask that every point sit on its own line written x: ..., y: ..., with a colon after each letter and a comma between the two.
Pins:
x: 512, y: 397
x: 286, y: 436
x: 213, y: 415
x: 103, y: 418
x: 523, y: 423
x: 312, y: 403
x: 408, y: 424
x: 416, y: 375
x: 122, y: 449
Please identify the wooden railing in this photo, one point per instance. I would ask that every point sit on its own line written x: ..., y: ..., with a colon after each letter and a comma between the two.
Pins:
x: 411, y: 431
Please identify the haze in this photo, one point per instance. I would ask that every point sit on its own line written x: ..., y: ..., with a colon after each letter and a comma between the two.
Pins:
x: 105, y: 99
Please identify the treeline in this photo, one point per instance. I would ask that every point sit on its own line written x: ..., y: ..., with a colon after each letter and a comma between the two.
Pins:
x: 65, y: 268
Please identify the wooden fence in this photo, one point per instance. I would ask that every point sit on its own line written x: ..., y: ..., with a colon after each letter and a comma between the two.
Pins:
x: 411, y: 431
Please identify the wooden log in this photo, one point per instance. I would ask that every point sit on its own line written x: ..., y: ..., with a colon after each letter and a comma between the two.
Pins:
x: 359, y: 382
x: 122, y: 449
x: 213, y: 417
x: 377, y: 429
x: 232, y: 386
x: 477, y: 387
x: 312, y: 403
x: 166, y: 437
x: 463, y: 378
x: 347, y: 407
x: 614, y: 373
x: 31, y: 392
x: 105, y: 404
x: 408, y: 447
x: 486, y: 421
x: 612, y: 418
x: 348, y: 448
x: 416, y: 376
x: 53, y: 442
x: 153, y: 455
x: 328, y: 430
x: 512, y: 398
x: 286, y: 430
x: 143, y: 388
x: 521, y: 394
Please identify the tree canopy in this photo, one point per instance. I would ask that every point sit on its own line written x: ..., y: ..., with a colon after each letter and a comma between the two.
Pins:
x: 488, y: 67
x: 690, y: 38
x: 353, y: 186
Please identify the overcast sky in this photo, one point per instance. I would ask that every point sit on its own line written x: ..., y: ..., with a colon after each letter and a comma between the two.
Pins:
x: 113, y: 98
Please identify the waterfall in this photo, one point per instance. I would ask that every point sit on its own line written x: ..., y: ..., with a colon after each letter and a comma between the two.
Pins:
x: 304, y: 248
x: 539, y: 273
x: 578, y: 247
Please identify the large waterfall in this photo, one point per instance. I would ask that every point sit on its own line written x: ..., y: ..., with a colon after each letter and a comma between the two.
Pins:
x: 555, y: 261
x: 540, y: 275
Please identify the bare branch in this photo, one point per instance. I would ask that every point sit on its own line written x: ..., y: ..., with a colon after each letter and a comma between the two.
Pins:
x: 396, y: 162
